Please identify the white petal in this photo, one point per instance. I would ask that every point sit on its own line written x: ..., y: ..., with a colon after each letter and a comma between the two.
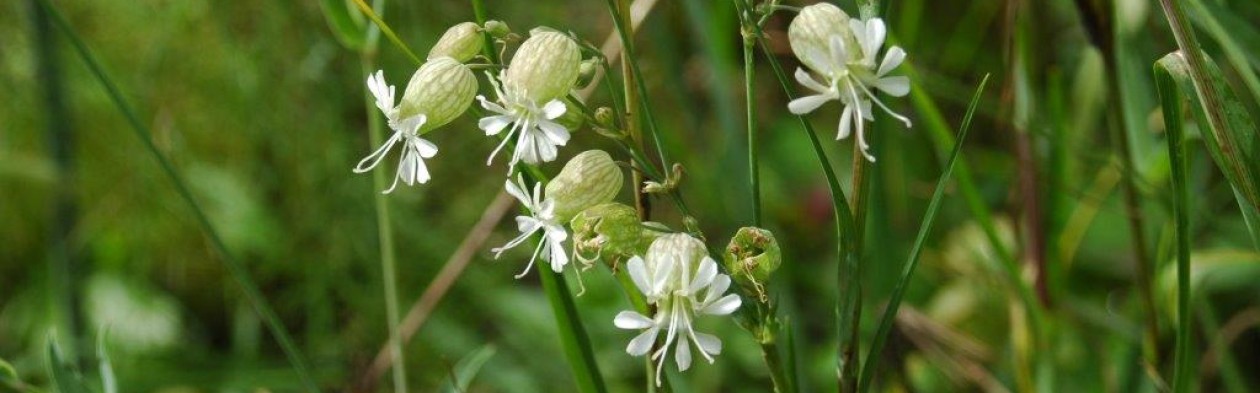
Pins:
x: 638, y: 274
x: 704, y: 275
x: 719, y: 286
x: 493, y: 125
x: 546, y: 150
x: 709, y: 343
x: 369, y: 162
x: 642, y: 343
x: 517, y: 190
x: 808, y: 81
x: 555, y: 132
x: 846, y: 122
x: 807, y: 104
x: 425, y: 148
x: 723, y: 306
x: 875, y: 34
x: 682, y: 355
x: 896, y: 86
x: 407, y: 168
x: 558, y: 257
x: 892, y: 59
x: 632, y: 320
x: 554, y: 109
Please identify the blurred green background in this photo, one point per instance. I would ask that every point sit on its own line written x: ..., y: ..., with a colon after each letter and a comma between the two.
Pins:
x: 262, y: 111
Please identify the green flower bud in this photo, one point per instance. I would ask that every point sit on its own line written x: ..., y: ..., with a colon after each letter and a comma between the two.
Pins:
x: 442, y: 89
x: 588, y: 179
x: 497, y: 29
x: 545, y: 67
x: 810, y: 36
x: 610, y: 231
x: 460, y: 42
x: 751, y: 257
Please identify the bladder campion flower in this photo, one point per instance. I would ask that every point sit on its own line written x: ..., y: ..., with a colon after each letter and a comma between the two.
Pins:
x: 682, y: 282
x: 438, y: 92
x: 842, y: 51
x: 461, y: 42
x: 530, y: 98
x: 588, y: 179
x: 542, y: 218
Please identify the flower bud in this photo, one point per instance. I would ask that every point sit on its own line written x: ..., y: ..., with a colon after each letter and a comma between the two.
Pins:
x: 751, y: 257
x: 810, y: 36
x: 610, y: 231
x: 545, y: 67
x: 497, y: 29
x: 460, y: 42
x: 587, y: 71
x: 588, y: 179
x: 442, y: 89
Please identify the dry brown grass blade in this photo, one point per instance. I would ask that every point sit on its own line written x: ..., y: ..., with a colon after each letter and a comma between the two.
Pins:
x: 477, y: 236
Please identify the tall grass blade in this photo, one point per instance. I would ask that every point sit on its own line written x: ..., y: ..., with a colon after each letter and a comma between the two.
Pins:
x: 385, y: 29
x: 235, y: 268
x: 65, y: 378
x: 348, y: 30
x: 929, y: 218
x: 1171, y: 102
x: 1231, y: 127
x: 577, y: 346
x: 846, y: 251
x: 467, y: 368
x: 1176, y: 69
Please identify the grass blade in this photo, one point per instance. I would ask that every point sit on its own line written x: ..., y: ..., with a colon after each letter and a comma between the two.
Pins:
x: 65, y: 379
x: 577, y: 345
x: 385, y: 29
x: 348, y: 30
x: 894, y: 302
x: 1176, y: 69
x: 1171, y: 102
x: 234, y: 267
x: 467, y: 368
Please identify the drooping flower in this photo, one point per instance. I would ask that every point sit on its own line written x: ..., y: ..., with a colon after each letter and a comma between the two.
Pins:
x: 681, y: 282
x: 438, y: 92
x: 530, y: 99
x: 843, y: 51
x: 541, y: 219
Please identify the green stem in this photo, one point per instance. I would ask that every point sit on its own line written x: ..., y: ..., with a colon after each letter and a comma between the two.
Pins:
x: 234, y: 267
x: 894, y: 302
x: 845, y: 230
x: 577, y: 346
x: 749, y: 31
x: 384, y: 225
x: 1169, y: 99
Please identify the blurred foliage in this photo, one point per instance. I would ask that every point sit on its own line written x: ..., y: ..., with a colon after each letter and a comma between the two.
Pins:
x: 262, y: 110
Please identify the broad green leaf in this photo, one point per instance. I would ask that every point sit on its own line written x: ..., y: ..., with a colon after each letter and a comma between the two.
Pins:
x: 348, y: 30
x: 467, y: 369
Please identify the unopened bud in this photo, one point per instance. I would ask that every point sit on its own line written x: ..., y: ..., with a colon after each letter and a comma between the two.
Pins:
x: 586, y: 71
x: 810, y: 36
x: 442, y: 89
x: 588, y: 179
x: 544, y: 68
x: 609, y: 231
x: 751, y: 257
x: 497, y: 29
x: 460, y: 42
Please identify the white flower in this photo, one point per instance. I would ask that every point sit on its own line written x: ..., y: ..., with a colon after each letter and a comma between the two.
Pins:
x: 542, y: 218
x: 848, y: 74
x: 680, y: 289
x: 411, y: 168
x: 537, y: 135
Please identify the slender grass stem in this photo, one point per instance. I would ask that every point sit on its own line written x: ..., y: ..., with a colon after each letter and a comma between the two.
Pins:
x: 750, y: 30
x: 894, y: 302
x: 235, y: 268
x: 385, y: 29
x: 1171, y: 103
x: 380, y: 203
x: 845, y: 250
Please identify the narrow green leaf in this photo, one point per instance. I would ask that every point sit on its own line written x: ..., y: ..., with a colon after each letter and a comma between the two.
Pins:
x: 348, y: 30
x: 577, y: 345
x: 467, y: 369
x: 1171, y: 101
x: 389, y: 32
x: 7, y: 373
x: 1236, y: 161
x: 108, y: 381
x: 64, y: 377
x: 894, y: 302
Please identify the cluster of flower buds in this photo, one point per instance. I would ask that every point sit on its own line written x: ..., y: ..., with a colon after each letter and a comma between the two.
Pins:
x: 842, y: 52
